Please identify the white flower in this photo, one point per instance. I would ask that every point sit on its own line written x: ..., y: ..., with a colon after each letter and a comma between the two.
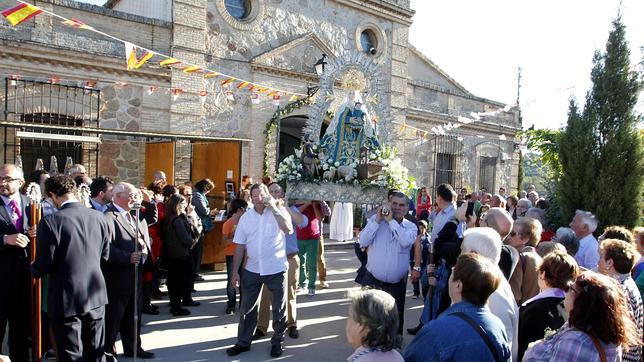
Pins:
x: 337, y: 164
x: 325, y: 166
x: 355, y: 182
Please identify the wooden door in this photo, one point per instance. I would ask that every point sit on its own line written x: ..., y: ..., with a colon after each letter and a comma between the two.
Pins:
x: 159, y: 156
x: 214, y: 160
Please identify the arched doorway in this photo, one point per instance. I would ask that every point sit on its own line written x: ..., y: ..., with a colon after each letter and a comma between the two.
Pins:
x: 291, y: 134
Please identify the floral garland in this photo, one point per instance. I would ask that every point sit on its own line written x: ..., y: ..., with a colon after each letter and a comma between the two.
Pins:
x: 393, y: 174
x: 271, y: 126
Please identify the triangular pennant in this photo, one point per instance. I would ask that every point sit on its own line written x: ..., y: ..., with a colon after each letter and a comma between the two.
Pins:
x: 130, y: 55
x: 169, y: 61
x: 242, y: 84
x: 75, y: 23
x: 210, y: 74
x: 227, y: 80
x: 191, y: 69
x: 146, y: 56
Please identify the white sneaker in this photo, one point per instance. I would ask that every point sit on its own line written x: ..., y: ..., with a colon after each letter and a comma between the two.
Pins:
x: 324, y: 285
x: 311, y: 292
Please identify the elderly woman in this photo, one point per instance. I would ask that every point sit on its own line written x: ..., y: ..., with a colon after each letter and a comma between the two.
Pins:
x: 467, y: 330
x: 546, y: 310
x: 524, y: 237
x: 599, y: 325
x: 566, y: 237
x: 372, y: 327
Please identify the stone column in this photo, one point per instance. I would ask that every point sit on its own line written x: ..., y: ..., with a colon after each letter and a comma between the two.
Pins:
x: 399, y: 55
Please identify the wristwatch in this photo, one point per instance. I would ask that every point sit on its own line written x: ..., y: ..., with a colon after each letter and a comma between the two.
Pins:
x: 416, y: 268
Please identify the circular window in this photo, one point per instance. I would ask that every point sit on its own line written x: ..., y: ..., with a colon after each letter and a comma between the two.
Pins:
x: 369, y: 42
x: 239, y: 9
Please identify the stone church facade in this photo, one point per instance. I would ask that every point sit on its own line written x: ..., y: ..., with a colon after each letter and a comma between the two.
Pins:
x: 274, y: 43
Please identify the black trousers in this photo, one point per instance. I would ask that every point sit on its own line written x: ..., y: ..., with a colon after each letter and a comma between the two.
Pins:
x: 81, y: 337
x: 180, y: 279
x: 396, y: 290
x: 119, y: 317
x: 15, y: 311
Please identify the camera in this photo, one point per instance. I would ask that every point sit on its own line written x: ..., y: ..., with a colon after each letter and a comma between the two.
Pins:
x: 386, y: 210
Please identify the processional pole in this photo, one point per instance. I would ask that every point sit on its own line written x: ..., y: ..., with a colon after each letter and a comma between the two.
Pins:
x: 137, y: 225
x: 35, y: 213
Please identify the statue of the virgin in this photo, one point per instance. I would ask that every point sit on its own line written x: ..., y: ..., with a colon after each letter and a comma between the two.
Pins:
x: 350, y: 130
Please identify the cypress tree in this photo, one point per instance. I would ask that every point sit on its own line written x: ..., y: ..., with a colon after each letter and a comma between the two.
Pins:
x: 619, y: 148
x: 576, y: 155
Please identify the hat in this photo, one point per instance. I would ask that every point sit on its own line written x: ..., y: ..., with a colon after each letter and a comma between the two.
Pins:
x: 423, y: 223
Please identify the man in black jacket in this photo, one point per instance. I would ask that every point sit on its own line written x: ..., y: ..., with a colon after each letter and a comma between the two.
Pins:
x: 71, y: 245
x: 128, y: 252
x: 14, y: 262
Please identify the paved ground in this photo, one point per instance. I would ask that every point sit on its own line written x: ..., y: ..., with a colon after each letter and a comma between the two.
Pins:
x: 208, y: 332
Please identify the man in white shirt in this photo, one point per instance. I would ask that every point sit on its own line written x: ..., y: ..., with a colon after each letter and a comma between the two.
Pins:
x: 261, y: 233
x: 584, y: 224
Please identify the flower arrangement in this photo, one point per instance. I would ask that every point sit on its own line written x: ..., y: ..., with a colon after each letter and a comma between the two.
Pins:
x: 392, y: 175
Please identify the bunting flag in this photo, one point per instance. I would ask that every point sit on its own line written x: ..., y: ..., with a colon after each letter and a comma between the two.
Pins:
x: 191, y: 69
x: 130, y: 55
x: 169, y: 61
x: 21, y: 13
x: 24, y: 11
x: 242, y: 85
x: 75, y: 23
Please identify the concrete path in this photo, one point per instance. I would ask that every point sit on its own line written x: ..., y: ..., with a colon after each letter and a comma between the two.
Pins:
x: 208, y: 332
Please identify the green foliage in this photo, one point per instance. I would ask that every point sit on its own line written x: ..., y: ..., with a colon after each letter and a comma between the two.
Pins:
x: 600, y: 151
x: 546, y: 143
x: 576, y: 156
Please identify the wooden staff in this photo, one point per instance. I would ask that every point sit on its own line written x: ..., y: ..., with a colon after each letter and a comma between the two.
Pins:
x: 35, y: 213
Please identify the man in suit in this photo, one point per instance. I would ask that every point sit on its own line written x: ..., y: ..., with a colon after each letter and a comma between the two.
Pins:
x: 128, y: 252
x: 14, y: 262
x: 71, y: 245
x: 100, y: 193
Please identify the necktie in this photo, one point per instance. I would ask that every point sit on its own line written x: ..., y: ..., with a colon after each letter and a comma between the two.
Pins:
x: 130, y: 221
x: 16, y: 215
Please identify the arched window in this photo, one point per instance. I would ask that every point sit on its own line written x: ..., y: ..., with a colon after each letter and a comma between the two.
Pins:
x: 239, y: 9
x: 368, y: 42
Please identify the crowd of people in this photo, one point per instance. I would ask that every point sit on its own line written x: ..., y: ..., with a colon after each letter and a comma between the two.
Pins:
x: 497, y: 283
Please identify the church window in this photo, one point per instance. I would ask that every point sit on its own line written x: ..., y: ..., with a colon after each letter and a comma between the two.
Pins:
x: 239, y: 9
x: 368, y: 42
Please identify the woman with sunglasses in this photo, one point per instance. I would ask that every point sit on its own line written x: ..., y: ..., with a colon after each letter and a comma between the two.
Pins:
x: 599, y: 326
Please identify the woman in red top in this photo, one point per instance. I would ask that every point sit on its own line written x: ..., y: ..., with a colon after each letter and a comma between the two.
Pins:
x: 423, y: 204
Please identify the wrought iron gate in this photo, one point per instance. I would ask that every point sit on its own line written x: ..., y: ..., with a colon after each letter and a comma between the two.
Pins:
x: 447, y: 159
x: 37, y: 103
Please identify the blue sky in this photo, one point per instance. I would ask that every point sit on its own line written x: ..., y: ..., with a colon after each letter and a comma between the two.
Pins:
x: 481, y: 44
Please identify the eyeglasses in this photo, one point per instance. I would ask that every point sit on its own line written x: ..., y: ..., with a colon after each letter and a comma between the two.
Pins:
x: 513, y: 233
x: 8, y: 179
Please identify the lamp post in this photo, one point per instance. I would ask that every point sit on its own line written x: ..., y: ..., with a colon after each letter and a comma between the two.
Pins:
x: 320, y: 65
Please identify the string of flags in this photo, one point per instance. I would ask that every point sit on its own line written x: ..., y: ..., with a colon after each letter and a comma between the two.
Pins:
x: 137, y: 56
x: 441, y: 130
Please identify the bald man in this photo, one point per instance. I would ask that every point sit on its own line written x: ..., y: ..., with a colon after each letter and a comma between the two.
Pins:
x: 501, y: 221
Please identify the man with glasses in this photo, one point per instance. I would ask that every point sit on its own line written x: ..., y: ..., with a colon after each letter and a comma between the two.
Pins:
x: 14, y: 262
x: 129, y: 251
